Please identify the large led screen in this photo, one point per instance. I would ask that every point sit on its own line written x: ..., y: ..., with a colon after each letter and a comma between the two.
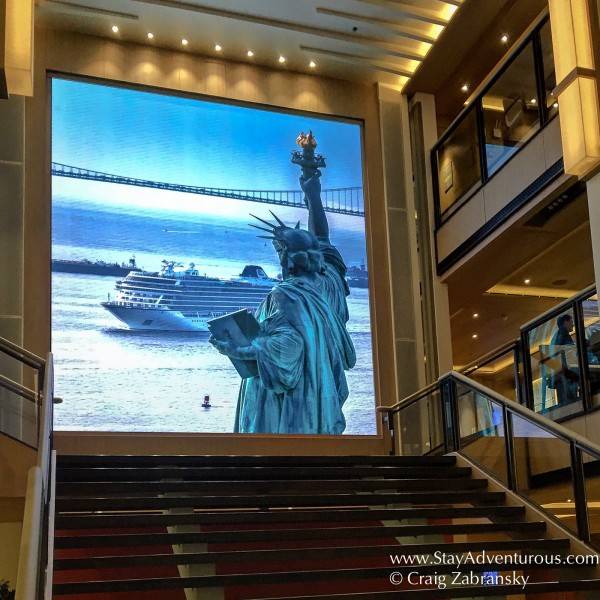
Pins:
x: 152, y: 197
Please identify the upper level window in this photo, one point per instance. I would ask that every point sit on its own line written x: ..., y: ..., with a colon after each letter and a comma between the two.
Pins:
x: 549, y: 76
x: 499, y: 120
x: 511, y: 112
x: 458, y: 161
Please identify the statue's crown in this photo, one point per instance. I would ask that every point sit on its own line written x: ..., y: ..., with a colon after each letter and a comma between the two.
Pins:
x: 293, y: 238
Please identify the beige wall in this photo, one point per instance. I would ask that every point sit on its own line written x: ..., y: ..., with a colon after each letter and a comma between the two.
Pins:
x: 81, y: 55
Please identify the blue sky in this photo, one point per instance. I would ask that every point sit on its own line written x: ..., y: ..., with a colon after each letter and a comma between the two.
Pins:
x: 190, y: 141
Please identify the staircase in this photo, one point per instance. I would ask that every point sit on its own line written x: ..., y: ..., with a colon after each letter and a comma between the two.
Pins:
x: 161, y: 527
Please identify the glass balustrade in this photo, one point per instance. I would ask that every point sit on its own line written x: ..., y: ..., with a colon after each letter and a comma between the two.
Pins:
x: 543, y: 470
x: 556, y: 383
x: 591, y: 470
x: 499, y: 373
x: 591, y: 354
x: 481, y: 429
x: 420, y: 426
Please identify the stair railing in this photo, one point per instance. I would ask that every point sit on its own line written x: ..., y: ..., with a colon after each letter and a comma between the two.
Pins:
x: 34, y: 576
x: 15, y: 423
x: 512, y: 443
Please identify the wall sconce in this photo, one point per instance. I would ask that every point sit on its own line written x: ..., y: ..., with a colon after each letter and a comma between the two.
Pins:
x: 573, y: 24
x: 16, y: 47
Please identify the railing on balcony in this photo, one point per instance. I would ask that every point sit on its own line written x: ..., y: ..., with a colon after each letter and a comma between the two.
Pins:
x: 543, y: 461
x: 510, y: 109
x: 562, y: 358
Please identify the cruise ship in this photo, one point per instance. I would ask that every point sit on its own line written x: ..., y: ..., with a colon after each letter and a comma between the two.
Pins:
x: 179, y: 298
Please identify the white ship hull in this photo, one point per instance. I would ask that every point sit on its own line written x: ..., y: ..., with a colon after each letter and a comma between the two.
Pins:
x: 158, y: 319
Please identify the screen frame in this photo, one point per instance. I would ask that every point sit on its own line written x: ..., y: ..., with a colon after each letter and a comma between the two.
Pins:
x: 374, y: 275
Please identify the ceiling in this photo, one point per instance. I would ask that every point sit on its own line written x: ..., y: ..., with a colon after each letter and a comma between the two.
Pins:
x: 381, y: 41
x: 488, y: 34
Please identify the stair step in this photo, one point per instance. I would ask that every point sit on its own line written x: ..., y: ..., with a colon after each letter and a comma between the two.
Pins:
x: 75, y: 504
x: 152, y: 473
x: 109, y: 460
x: 287, y: 577
x: 252, y: 487
x: 541, y: 547
x: 255, y: 535
x: 544, y: 589
x: 287, y: 526
x: 98, y: 521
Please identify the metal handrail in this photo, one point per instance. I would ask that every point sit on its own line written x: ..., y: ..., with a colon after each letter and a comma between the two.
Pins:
x: 559, y: 307
x: 432, y: 387
x: 14, y: 350
x: 493, y: 354
x: 17, y: 388
x: 543, y: 422
x: 446, y: 385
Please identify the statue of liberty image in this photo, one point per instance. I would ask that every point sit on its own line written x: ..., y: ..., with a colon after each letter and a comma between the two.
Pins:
x: 303, y: 348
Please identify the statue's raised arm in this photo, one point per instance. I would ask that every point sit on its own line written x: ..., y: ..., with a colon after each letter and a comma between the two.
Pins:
x: 310, y: 182
x: 317, y: 219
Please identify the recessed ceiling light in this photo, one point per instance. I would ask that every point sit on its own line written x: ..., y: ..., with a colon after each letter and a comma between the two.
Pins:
x: 475, y: 315
x: 504, y: 39
x: 218, y: 47
x: 527, y: 281
x: 150, y: 35
x: 474, y: 336
x: 465, y: 87
x: 184, y: 42
x: 282, y: 59
x: 312, y: 64
x: 250, y: 53
x: 115, y: 29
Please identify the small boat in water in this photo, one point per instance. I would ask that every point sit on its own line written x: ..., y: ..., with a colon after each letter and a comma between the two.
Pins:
x: 98, y: 267
x: 357, y: 277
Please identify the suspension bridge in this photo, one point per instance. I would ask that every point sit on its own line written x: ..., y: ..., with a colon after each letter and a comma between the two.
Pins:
x: 345, y: 201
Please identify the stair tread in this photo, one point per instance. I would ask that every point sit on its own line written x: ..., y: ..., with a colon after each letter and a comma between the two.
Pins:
x: 98, y: 562
x: 209, y: 460
x: 95, y: 521
x: 75, y: 503
x: 153, y: 473
x: 539, y: 587
x: 252, y: 487
x: 287, y: 577
x: 244, y: 535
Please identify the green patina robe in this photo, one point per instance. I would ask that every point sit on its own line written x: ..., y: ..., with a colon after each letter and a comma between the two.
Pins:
x: 303, y: 352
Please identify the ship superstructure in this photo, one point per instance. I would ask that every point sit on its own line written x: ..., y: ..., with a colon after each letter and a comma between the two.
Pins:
x: 179, y: 298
